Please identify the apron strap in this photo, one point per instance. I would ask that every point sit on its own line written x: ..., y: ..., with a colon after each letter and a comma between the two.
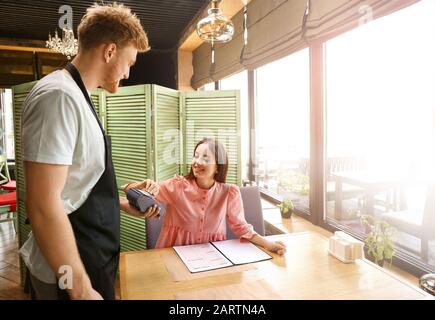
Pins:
x: 78, y: 79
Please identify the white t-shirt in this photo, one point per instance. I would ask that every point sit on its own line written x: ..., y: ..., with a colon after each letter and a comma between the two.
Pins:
x: 58, y: 127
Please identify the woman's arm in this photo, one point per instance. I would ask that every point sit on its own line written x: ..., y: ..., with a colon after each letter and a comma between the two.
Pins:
x: 148, y: 185
x: 242, y: 229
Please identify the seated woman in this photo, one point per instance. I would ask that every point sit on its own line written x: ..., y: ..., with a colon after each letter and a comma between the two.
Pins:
x: 200, y: 203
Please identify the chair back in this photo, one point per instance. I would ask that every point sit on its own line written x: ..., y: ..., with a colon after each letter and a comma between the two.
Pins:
x: 4, y: 170
x: 253, y: 210
x: 429, y: 212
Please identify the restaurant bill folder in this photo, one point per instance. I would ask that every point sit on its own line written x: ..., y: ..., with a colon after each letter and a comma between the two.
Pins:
x: 219, y: 254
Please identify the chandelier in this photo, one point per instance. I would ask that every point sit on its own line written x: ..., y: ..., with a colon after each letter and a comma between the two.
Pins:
x: 215, y: 27
x: 67, y: 45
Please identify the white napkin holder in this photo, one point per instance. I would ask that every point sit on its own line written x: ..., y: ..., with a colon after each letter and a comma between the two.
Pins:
x: 345, y: 248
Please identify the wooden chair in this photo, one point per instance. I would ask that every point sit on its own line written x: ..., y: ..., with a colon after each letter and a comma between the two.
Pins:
x: 253, y: 210
x: 6, y: 183
x: 4, y: 171
x: 338, y: 164
x: 8, y: 208
x: 419, y: 225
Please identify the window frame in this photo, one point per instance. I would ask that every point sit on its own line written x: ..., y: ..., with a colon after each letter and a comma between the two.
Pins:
x: 318, y: 147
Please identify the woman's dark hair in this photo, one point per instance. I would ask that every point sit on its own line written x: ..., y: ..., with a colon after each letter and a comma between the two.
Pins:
x: 220, y: 155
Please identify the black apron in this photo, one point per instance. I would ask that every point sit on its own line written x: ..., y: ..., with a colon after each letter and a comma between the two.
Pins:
x: 96, y: 223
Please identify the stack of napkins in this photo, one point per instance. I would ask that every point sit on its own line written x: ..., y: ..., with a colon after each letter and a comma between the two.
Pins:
x: 345, y: 248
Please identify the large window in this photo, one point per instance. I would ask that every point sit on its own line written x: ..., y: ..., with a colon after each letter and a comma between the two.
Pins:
x: 283, y: 124
x: 239, y: 82
x: 380, y: 81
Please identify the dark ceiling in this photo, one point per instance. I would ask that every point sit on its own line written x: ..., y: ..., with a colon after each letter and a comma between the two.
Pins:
x: 163, y: 20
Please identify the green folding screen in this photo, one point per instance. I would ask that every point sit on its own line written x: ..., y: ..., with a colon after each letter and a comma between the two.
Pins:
x: 167, y: 134
x: 153, y: 130
x: 213, y: 114
x: 19, y: 93
x: 128, y: 122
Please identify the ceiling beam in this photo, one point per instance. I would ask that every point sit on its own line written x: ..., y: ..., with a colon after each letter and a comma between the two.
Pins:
x: 22, y: 42
x: 23, y: 45
x: 18, y: 48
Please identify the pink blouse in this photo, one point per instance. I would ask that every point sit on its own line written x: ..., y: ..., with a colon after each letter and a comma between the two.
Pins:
x: 194, y: 215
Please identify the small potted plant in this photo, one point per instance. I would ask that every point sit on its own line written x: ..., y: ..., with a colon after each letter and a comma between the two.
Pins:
x: 379, y: 240
x: 286, y: 207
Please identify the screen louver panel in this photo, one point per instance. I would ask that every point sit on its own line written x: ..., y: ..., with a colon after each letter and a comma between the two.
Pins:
x: 128, y: 124
x: 214, y: 114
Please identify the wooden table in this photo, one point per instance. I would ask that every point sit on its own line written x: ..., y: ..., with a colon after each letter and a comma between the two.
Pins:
x: 307, y: 271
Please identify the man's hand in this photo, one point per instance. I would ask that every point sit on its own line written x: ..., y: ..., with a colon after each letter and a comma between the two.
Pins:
x: 147, y: 185
x: 152, y: 212
x: 91, y: 295
x: 84, y: 291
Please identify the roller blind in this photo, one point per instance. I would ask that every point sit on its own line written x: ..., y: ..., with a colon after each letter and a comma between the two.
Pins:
x: 273, y: 27
x: 331, y: 18
x: 276, y: 28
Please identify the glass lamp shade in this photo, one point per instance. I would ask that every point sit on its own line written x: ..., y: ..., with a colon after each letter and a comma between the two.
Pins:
x: 215, y: 27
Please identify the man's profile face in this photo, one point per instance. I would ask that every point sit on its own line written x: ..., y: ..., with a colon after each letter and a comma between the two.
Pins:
x: 118, y: 67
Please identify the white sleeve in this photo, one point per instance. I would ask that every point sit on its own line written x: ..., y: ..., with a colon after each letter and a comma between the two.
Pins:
x: 50, y: 128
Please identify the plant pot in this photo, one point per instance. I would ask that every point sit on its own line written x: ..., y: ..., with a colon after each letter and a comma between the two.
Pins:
x: 379, y: 263
x: 286, y: 215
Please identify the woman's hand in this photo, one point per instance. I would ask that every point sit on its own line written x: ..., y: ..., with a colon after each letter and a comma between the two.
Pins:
x: 152, y: 212
x: 147, y: 185
x: 276, y: 246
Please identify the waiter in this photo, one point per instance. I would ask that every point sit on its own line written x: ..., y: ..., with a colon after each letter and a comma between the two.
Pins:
x: 71, y: 192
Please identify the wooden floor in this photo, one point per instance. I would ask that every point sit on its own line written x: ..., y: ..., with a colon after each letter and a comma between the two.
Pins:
x: 10, y: 288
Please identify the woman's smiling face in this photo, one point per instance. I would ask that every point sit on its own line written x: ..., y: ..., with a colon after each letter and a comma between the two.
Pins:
x: 204, y: 163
